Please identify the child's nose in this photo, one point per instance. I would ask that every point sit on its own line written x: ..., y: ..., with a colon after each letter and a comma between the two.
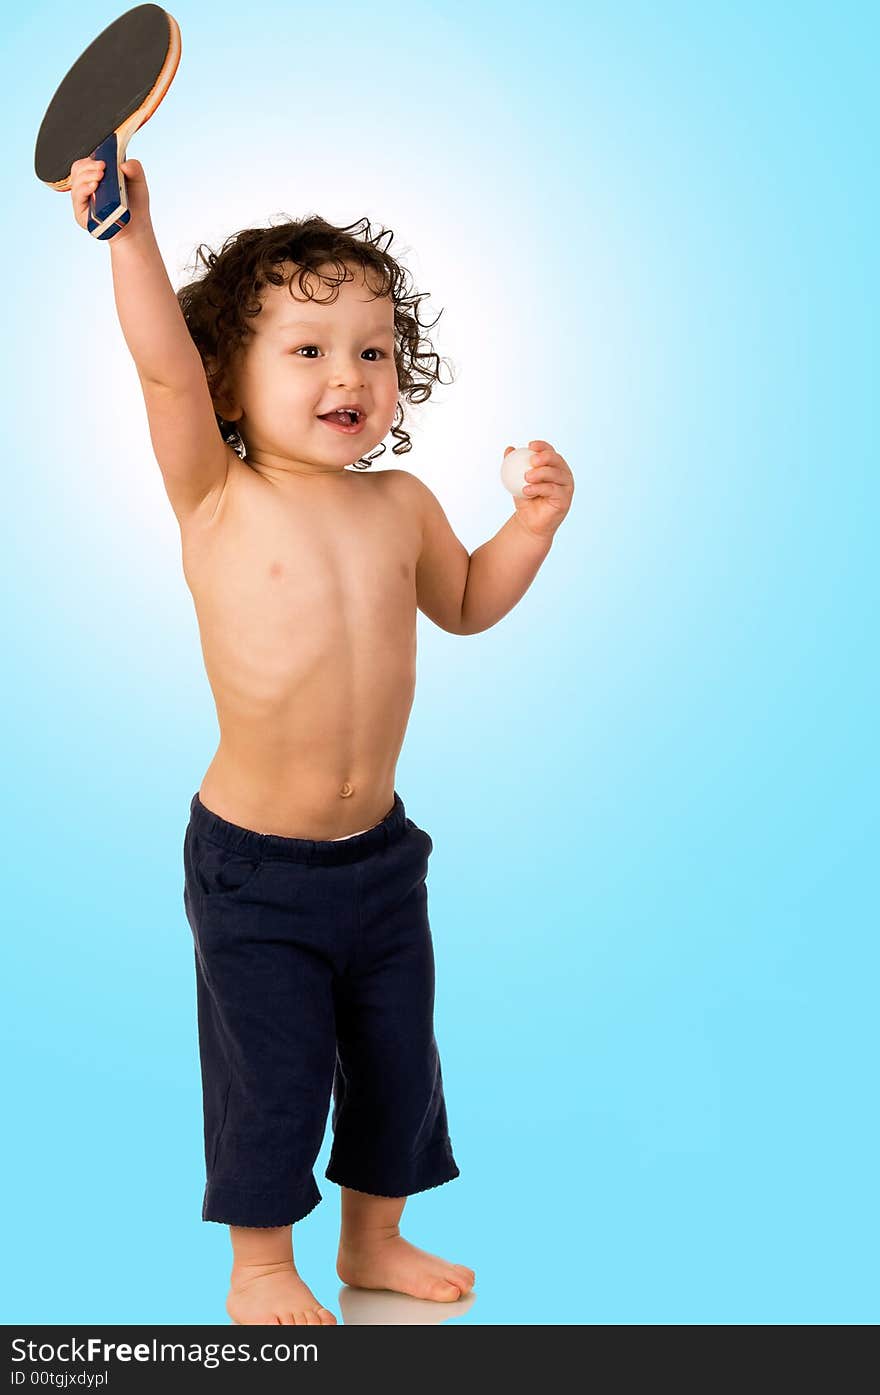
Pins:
x: 348, y: 366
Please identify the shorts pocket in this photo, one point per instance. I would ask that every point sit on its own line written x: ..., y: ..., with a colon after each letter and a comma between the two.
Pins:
x: 221, y: 871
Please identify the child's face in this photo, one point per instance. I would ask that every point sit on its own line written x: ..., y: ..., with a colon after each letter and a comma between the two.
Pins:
x: 291, y: 372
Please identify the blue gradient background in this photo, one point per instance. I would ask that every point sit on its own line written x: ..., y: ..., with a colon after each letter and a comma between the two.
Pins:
x: 651, y: 787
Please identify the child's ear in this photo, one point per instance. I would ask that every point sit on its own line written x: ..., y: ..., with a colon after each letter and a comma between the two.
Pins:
x: 223, y: 403
x: 225, y: 406
x: 226, y: 409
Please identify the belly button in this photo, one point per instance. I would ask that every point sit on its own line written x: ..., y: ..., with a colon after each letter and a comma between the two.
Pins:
x: 346, y: 790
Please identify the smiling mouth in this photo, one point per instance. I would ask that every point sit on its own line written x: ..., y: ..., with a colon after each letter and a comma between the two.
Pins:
x: 349, y: 421
x: 353, y: 413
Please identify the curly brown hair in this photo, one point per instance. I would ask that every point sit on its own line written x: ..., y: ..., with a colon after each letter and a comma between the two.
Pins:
x: 218, y: 305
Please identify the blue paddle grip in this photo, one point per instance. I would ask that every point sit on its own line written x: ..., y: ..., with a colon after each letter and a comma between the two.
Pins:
x: 109, y: 197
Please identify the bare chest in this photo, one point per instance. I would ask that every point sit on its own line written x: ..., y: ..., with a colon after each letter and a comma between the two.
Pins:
x: 284, y: 581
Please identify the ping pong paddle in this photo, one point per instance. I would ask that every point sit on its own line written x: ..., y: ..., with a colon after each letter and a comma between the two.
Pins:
x: 112, y: 89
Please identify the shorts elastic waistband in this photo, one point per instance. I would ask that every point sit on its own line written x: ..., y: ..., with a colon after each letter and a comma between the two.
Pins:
x: 326, y: 852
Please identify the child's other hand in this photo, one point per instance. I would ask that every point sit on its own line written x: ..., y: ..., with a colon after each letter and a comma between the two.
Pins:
x: 86, y: 175
x: 549, y: 487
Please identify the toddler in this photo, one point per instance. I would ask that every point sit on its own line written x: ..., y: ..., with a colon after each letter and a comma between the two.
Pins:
x: 267, y: 382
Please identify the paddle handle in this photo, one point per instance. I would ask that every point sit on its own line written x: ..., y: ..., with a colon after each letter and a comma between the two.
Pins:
x: 108, y: 205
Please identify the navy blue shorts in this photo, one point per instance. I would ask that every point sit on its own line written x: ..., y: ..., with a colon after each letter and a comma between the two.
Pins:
x: 314, y: 975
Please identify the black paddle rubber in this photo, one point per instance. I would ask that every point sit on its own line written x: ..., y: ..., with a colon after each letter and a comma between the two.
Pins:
x: 112, y: 89
x: 109, y: 82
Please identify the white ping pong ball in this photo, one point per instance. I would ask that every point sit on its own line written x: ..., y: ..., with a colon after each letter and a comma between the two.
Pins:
x: 513, y: 470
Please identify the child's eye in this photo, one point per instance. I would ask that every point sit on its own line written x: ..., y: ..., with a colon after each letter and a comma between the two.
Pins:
x: 303, y: 347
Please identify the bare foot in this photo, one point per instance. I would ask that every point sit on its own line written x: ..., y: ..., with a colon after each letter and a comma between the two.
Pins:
x: 274, y: 1294
x: 389, y: 1261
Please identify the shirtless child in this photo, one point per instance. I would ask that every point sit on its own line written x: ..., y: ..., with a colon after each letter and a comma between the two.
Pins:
x: 304, y: 878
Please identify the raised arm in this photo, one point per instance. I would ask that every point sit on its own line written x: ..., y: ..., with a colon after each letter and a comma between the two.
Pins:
x: 188, y: 447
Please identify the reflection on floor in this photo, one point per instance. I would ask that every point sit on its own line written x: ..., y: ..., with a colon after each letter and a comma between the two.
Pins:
x: 377, y: 1307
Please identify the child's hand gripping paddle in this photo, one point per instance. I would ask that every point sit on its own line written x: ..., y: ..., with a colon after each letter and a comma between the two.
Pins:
x: 112, y: 89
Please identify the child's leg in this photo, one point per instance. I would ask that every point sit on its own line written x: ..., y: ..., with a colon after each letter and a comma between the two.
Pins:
x: 389, y: 1114
x: 264, y: 963
x: 374, y: 1254
x: 389, y: 1119
x: 260, y: 1246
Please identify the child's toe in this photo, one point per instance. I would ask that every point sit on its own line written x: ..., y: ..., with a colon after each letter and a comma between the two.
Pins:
x: 444, y: 1290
